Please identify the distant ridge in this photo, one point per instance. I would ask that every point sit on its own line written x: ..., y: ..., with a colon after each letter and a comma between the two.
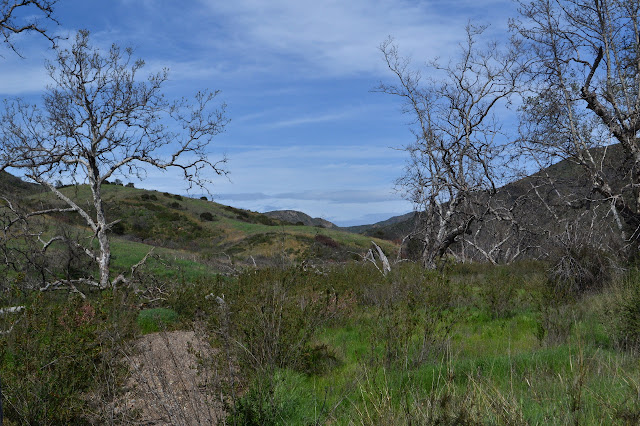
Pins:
x: 12, y: 185
x: 296, y: 217
x: 366, y: 229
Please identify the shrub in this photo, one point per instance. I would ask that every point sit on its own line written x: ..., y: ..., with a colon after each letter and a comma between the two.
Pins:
x: 118, y: 228
x: 148, y: 197
x: 207, y: 217
x: 327, y: 241
x: 580, y: 269
x: 175, y: 205
x: 203, y: 198
x: 624, y: 314
x: 178, y: 197
x: 58, y: 353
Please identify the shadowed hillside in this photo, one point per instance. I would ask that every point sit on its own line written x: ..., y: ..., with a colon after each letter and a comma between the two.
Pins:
x: 542, y: 208
x: 14, y: 186
x: 298, y: 218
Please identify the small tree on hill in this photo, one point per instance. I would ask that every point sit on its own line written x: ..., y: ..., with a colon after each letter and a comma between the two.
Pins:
x: 99, y: 118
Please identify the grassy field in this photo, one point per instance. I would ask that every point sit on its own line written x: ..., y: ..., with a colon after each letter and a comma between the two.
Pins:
x: 472, y: 344
x: 417, y: 348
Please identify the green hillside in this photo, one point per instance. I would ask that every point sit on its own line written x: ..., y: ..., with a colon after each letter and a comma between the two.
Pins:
x: 208, y: 236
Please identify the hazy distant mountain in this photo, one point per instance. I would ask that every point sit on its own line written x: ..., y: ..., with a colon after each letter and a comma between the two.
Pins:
x: 296, y: 217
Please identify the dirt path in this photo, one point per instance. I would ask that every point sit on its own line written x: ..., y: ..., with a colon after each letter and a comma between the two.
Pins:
x: 166, y: 386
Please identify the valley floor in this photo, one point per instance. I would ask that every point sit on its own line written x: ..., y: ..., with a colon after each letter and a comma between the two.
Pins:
x: 341, y: 344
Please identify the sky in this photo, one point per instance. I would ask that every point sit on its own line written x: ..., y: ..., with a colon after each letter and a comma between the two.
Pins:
x: 306, y: 132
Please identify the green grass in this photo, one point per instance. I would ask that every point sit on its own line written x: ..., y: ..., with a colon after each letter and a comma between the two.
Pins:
x: 156, y: 319
x: 490, y: 368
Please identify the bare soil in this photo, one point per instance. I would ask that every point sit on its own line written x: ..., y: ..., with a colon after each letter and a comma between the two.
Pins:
x: 167, y: 387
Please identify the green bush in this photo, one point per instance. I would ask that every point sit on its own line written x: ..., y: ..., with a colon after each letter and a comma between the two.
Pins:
x: 207, y: 217
x: 60, y: 351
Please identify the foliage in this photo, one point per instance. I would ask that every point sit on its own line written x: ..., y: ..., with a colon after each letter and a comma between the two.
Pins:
x: 60, y: 351
x: 207, y: 217
x: 472, y: 344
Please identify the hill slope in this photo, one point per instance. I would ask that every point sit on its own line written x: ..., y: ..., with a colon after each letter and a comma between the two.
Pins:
x: 218, y: 236
x: 14, y: 186
x: 542, y: 210
x: 298, y: 218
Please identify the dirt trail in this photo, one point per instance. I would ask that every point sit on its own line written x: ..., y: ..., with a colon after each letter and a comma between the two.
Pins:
x: 166, y: 387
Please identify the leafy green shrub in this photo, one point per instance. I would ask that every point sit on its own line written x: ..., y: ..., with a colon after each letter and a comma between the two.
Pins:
x: 118, y: 228
x: 57, y: 353
x: 623, y: 312
x: 265, y: 220
x: 155, y: 319
x: 175, y: 205
x: 270, y: 400
x: 178, y: 197
x: 499, y: 293
x: 148, y: 197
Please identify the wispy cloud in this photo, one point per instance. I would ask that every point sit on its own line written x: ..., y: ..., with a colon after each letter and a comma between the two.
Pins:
x: 311, y: 119
x: 341, y: 38
x: 347, y: 196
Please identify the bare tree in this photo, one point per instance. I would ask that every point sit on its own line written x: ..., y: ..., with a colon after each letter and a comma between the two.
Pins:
x: 21, y: 16
x: 455, y: 161
x: 584, y: 105
x: 99, y: 118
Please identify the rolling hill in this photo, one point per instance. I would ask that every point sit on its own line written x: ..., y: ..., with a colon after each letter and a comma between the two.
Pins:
x: 207, y: 234
x: 299, y: 218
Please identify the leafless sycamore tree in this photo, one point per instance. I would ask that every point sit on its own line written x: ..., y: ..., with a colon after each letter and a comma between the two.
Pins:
x: 21, y: 16
x: 101, y: 117
x: 458, y: 153
x: 585, y: 57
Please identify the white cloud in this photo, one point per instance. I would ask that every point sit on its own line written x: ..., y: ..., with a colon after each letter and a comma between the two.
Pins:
x: 316, y: 118
x: 338, y: 37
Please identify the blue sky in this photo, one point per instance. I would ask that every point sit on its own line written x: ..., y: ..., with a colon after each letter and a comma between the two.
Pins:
x: 306, y: 131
